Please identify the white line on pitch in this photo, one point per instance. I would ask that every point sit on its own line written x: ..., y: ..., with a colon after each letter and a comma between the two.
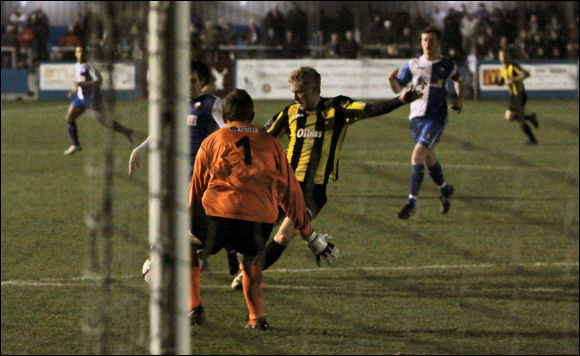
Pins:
x: 466, y: 166
x: 77, y: 281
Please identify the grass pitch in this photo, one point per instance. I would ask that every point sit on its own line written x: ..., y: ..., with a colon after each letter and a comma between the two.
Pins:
x: 497, y: 275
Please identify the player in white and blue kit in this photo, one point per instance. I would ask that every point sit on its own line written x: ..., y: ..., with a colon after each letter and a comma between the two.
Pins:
x: 86, y: 94
x: 428, y: 74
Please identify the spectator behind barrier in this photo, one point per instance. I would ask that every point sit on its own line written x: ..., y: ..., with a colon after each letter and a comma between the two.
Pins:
x: 349, y: 47
x: 40, y: 25
x: 69, y: 39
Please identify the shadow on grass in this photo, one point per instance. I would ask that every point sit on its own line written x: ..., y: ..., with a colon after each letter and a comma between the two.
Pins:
x: 515, y: 160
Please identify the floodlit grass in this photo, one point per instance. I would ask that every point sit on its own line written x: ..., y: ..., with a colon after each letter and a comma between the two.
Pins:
x: 497, y: 275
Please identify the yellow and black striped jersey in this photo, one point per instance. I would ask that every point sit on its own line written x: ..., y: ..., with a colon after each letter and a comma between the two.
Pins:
x: 315, y: 137
x: 513, y: 70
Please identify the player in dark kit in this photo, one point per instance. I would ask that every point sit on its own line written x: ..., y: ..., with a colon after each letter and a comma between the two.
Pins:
x: 514, y: 75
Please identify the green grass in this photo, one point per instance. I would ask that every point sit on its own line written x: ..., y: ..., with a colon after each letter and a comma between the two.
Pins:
x: 497, y: 275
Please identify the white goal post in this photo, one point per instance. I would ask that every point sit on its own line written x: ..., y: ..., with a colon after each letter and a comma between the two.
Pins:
x: 168, y: 172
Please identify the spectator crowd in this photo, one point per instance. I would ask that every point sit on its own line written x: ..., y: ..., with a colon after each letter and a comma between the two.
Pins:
x: 467, y: 35
x: 480, y: 33
x: 29, y: 36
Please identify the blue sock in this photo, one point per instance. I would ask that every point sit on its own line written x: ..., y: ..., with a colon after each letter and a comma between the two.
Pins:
x: 417, y: 174
x: 73, y: 133
x: 437, y: 174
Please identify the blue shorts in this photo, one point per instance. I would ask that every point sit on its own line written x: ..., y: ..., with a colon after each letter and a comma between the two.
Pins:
x: 426, y: 131
x: 87, y: 103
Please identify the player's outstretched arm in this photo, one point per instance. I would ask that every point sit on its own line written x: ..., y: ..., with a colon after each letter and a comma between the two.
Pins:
x: 135, y: 154
x: 386, y: 106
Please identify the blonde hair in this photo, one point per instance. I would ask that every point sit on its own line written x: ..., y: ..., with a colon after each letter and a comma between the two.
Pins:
x: 307, y: 76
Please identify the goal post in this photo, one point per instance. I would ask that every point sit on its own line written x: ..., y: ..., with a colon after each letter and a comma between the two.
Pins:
x: 168, y: 171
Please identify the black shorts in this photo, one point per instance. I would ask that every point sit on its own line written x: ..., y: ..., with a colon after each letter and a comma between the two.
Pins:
x: 315, y: 199
x: 247, y: 237
x: 518, y: 102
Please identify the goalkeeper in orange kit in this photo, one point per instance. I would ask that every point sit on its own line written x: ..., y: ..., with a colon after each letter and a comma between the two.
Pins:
x: 241, y: 176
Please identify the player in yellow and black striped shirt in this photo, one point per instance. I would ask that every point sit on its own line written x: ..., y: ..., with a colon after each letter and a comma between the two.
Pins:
x: 316, y: 128
x: 514, y: 75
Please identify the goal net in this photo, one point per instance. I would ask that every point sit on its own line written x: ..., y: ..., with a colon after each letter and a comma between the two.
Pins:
x: 151, y: 40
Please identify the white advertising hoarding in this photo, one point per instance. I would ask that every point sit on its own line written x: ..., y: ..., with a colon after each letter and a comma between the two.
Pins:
x: 358, y: 79
x: 60, y: 76
x: 543, y: 76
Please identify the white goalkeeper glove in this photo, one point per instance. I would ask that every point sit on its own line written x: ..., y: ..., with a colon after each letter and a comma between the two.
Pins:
x: 322, y: 248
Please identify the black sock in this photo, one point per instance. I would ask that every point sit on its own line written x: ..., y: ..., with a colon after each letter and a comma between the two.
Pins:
x: 526, y: 129
x: 273, y: 252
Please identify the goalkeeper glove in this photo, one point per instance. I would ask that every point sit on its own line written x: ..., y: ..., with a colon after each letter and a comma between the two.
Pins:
x: 322, y: 248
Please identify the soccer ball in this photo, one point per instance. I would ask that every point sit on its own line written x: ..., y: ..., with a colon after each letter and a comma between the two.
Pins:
x: 145, y: 271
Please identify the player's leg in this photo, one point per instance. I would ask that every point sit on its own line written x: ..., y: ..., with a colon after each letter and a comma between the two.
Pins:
x: 415, y: 180
x: 426, y: 133
x: 250, y: 238
x: 518, y: 117
x: 516, y: 113
x: 206, y: 235
x: 315, y: 199
x: 252, y: 287
x: 233, y: 261
x: 533, y: 118
x: 197, y: 313
x: 436, y: 173
x: 113, y: 125
x: 74, y: 111
x: 417, y: 169
x: 274, y: 249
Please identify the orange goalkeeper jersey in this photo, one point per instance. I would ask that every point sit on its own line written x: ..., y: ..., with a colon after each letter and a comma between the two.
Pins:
x: 241, y: 172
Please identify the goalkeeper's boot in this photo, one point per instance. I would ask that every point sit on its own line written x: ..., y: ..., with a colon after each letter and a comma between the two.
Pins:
x: 258, y: 324
x: 197, y: 315
x: 445, y: 196
x: 237, y: 282
x: 72, y: 149
x: 407, y: 211
x: 233, y: 263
